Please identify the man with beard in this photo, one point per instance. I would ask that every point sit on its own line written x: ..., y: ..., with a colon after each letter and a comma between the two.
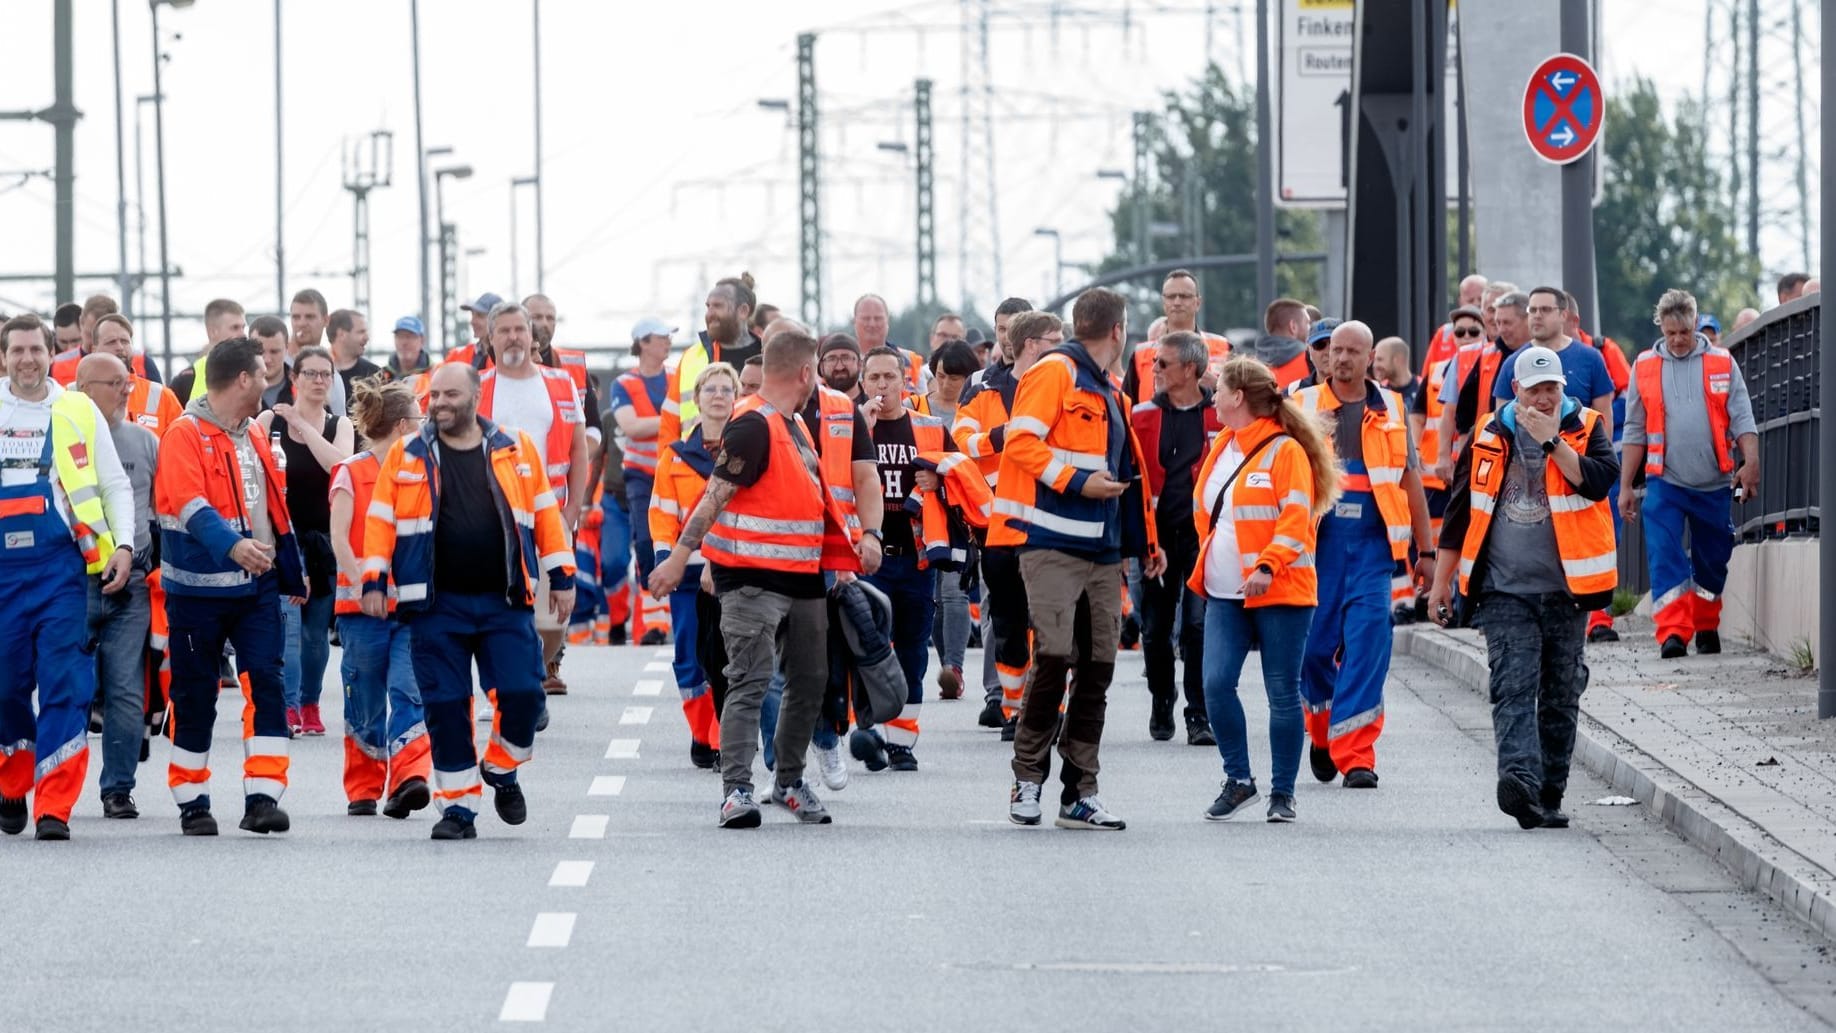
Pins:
x: 727, y: 339
x: 840, y: 365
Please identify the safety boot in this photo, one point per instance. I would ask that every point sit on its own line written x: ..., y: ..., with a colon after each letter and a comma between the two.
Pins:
x: 12, y: 816
x: 263, y: 815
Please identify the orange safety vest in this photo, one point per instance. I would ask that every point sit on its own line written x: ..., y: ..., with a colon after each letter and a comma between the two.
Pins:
x: 1293, y: 370
x: 784, y: 521
x: 1583, y: 527
x: 1430, y: 444
x: 1717, y: 382
x: 641, y: 453
x: 981, y: 422
x: 1385, y: 435
x: 363, y: 468
x: 64, y: 366
x: 153, y: 406
x: 837, y: 454
x: 676, y: 493
x: 965, y: 492
x: 1271, y: 505
x: 564, y: 401
x: 1146, y: 351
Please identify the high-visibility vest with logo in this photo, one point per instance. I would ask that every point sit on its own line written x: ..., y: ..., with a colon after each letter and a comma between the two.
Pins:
x: 1583, y: 527
x: 153, y: 406
x: 1271, y: 505
x: 73, y: 435
x: 564, y: 403
x: 641, y: 453
x: 682, y: 476
x: 1430, y: 445
x: 1717, y: 382
x: 363, y: 469
x: 784, y: 521
x: 1385, y: 436
x: 837, y: 454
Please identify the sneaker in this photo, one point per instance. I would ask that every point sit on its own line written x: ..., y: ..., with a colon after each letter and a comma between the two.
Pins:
x: 53, y: 829
x: 1088, y: 813
x: 1010, y: 727
x: 262, y: 814
x: 800, y: 800
x: 1160, y: 720
x: 1319, y: 758
x: 900, y: 758
x: 1023, y: 803
x: 294, y: 727
x: 310, y: 721
x: 868, y: 749
x: 702, y: 755
x: 510, y: 803
x: 1281, y: 809
x: 950, y: 682
x: 1198, y: 731
x: 834, y: 769
x: 1361, y: 778
x: 990, y: 717
x: 654, y: 637
x: 739, y: 811
x: 1515, y: 799
x: 12, y: 816
x: 454, y: 825
x: 1673, y: 648
x: 1708, y: 643
x: 1233, y: 799
x: 1603, y: 633
x: 197, y: 822
x: 412, y: 795
x: 360, y: 809
x: 119, y: 805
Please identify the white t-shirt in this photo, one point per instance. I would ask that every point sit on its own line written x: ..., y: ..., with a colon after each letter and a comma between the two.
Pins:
x: 1223, y: 562
x: 524, y: 405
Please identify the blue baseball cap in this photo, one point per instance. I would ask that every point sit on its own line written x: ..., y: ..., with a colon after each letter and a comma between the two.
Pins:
x: 411, y: 325
x: 485, y: 303
x: 1708, y: 322
x: 1321, y: 331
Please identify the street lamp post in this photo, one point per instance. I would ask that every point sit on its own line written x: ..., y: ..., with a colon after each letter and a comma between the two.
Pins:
x: 159, y: 172
x: 1058, y: 257
x: 140, y: 206
x: 522, y: 181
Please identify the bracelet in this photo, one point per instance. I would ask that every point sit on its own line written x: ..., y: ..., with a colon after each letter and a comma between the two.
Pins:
x: 878, y: 535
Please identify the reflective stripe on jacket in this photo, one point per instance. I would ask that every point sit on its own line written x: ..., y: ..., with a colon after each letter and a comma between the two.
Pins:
x: 1717, y: 381
x: 364, y: 467
x: 980, y: 429
x: 1146, y: 419
x: 785, y: 520
x: 1271, y: 503
x: 1429, y: 447
x: 198, y: 496
x: 153, y: 406
x: 564, y: 404
x: 641, y: 453
x: 1385, y: 436
x: 945, y: 542
x: 837, y: 454
x: 682, y: 477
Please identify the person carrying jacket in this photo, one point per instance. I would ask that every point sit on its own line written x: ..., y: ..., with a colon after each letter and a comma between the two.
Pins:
x: 464, y: 525
x: 63, y: 499
x: 1069, y: 501
x: 1256, y: 502
x: 1368, y: 531
x: 228, y: 556
x: 1528, y: 527
x: 1688, y: 417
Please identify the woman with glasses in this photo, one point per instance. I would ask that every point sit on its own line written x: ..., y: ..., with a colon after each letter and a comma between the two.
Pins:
x: 386, y: 750
x: 1464, y: 327
x: 1268, y: 477
x: 312, y: 439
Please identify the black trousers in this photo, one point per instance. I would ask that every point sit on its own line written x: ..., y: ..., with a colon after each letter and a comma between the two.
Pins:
x: 1170, y: 609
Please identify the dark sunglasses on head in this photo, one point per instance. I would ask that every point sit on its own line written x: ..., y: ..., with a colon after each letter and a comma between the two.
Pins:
x: 1467, y: 331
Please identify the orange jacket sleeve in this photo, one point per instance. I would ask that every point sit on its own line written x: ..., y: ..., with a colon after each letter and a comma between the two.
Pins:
x: 1038, y: 404
x: 1294, y: 527
x: 379, y: 522
x: 553, y: 543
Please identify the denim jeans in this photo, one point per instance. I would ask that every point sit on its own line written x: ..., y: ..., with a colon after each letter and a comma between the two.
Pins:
x: 909, y: 589
x: 306, y: 651
x: 382, y: 700
x: 637, y: 495
x: 1231, y: 631
x: 950, y: 620
x: 1169, y: 611
x: 1534, y: 647
x: 118, y: 626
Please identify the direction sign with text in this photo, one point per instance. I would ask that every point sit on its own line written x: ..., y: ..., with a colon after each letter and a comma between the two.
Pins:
x: 1563, y: 109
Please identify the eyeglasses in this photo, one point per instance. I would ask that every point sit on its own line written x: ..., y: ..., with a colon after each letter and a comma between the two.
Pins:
x: 1542, y: 310
x: 1320, y: 346
x: 314, y: 374
x: 1467, y: 331
x: 1179, y: 296
x: 1164, y: 364
x: 717, y: 390
x: 116, y: 383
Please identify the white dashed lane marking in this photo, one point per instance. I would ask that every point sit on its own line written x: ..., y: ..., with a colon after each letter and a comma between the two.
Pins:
x: 526, y: 1002
x: 647, y: 687
x: 572, y: 874
x: 622, y: 749
x: 635, y: 716
x: 589, y: 826
x: 606, y: 785
x: 656, y: 665
x: 552, y: 929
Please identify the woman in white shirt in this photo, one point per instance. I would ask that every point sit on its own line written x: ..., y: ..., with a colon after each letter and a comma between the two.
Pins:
x: 1257, y: 500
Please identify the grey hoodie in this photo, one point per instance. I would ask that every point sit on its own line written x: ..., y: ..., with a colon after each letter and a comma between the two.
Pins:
x: 254, y: 476
x: 1689, y: 448
x: 1275, y: 349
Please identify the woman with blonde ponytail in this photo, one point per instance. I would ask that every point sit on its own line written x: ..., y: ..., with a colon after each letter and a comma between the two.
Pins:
x: 1257, y: 500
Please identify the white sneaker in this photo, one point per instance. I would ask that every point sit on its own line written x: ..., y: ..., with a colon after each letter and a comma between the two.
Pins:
x: 834, y: 769
x: 1023, y: 803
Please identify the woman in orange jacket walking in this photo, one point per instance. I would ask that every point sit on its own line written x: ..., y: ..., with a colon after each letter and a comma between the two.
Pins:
x: 1268, y: 477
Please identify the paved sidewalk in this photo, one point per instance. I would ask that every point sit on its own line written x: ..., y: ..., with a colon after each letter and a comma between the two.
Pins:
x: 1726, y: 750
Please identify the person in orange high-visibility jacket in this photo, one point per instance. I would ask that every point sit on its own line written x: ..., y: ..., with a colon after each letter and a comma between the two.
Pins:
x: 1256, y: 499
x: 1070, y: 499
x: 1690, y: 426
x: 962, y: 494
x: 228, y: 555
x: 1528, y: 526
x: 1367, y: 532
x: 464, y: 524
x: 386, y: 750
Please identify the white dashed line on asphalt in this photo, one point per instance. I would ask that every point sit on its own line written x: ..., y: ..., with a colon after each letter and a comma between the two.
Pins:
x: 526, y: 1002
x: 622, y: 749
x: 571, y: 874
x: 667, y: 653
x: 656, y: 665
x: 552, y: 929
x: 606, y: 785
x: 589, y: 826
x: 635, y: 716
x: 647, y: 687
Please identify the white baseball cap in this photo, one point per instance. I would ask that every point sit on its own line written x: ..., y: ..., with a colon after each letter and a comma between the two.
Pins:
x: 1537, y: 365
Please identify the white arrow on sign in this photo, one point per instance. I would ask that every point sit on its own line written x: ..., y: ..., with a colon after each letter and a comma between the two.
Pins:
x: 1562, y: 137
x: 1562, y: 80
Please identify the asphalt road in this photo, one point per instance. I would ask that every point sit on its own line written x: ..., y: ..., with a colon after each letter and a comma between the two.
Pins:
x: 620, y: 905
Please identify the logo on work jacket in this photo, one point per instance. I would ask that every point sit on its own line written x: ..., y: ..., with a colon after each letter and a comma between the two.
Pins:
x: 20, y: 539
x: 79, y: 454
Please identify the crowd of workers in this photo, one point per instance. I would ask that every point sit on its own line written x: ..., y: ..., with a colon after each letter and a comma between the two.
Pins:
x: 806, y: 518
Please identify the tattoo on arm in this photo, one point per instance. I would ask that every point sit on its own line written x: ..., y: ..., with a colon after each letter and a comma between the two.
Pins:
x: 715, y: 499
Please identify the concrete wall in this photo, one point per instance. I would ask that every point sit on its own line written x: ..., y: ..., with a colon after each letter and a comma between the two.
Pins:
x: 1773, y: 598
x: 1517, y: 197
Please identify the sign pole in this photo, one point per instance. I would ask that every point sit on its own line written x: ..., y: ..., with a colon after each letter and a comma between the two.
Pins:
x: 1826, y: 424
x: 1578, y: 185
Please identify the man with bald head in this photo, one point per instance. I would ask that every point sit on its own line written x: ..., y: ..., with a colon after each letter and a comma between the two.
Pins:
x: 120, y: 621
x: 1367, y: 532
x: 872, y: 321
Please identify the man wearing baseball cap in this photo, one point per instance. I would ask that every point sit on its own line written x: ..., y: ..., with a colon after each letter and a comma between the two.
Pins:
x: 1319, y: 339
x: 478, y: 310
x: 410, y: 349
x: 1710, y: 327
x: 1530, y: 534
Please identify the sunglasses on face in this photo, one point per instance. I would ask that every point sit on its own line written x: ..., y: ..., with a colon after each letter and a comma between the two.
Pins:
x: 1467, y: 331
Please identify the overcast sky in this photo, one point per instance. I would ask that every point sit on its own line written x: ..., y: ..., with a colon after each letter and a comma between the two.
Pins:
x: 662, y: 171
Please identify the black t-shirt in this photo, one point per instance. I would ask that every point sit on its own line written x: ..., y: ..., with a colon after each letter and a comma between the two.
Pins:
x: 1182, y: 446
x: 468, y: 536
x: 362, y: 369
x: 745, y: 454
x: 735, y: 355
x: 1410, y: 392
x: 896, y: 452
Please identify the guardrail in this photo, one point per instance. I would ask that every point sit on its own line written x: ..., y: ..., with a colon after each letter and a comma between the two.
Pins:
x: 1778, y: 356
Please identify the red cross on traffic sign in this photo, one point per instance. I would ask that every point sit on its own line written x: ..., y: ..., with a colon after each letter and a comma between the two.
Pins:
x: 1564, y: 107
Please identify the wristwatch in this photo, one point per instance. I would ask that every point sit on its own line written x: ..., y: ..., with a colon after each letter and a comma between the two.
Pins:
x: 1549, y: 446
x: 1266, y: 569
x: 878, y: 535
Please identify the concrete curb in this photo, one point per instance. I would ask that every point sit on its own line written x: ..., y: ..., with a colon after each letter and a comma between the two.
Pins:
x: 1753, y: 856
